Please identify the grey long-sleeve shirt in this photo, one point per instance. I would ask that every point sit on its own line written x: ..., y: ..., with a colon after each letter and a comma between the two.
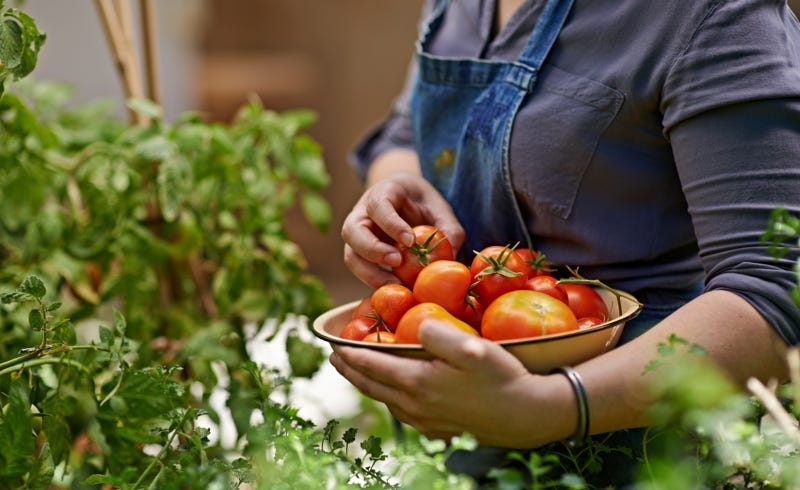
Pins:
x: 658, y: 140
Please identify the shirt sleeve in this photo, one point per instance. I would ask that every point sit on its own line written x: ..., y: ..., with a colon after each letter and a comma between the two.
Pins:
x: 742, y: 50
x: 731, y: 106
x: 737, y: 164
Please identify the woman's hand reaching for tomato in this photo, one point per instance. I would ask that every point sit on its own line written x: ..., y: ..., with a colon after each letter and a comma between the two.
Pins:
x: 473, y: 386
x: 385, y: 215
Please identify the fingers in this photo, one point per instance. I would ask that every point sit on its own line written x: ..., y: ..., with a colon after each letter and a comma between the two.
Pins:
x: 367, y: 239
x: 384, y: 377
x: 467, y: 352
x: 457, y: 348
x: 368, y: 272
x: 398, y: 382
x: 383, y: 217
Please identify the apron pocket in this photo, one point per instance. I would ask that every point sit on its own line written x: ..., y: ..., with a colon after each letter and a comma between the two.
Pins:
x: 555, y: 136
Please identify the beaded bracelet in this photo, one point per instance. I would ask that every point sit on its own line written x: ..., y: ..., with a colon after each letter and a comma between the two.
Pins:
x: 584, y: 422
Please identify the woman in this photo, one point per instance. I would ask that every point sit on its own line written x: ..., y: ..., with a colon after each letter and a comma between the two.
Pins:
x: 645, y: 142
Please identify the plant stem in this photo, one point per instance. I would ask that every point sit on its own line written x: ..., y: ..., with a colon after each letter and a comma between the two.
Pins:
x: 163, y: 451
x: 40, y: 362
x: 42, y: 353
x: 784, y: 420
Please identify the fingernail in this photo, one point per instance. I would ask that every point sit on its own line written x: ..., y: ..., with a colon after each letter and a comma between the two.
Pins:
x: 393, y: 258
x: 407, y: 239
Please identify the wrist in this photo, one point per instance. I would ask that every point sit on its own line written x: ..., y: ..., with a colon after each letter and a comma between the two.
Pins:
x: 393, y: 162
x: 582, y: 410
x: 549, y: 410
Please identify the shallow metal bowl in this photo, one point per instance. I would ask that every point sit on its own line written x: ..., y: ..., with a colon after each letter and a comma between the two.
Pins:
x: 538, y: 354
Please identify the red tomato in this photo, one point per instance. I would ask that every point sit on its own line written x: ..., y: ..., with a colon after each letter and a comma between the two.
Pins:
x: 547, y: 285
x: 525, y: 313
x: 497, y: 270
x: 588, y: 322
x: 389, y: 302
x: 357, y: 328
x: 408, y: 328
x: 444, y: 282
x: 584, y: 301
x: 364, y: 308
x: 472, y: 314
x: 380, y: 337
x: 430, y: 245
x: 538, y: 264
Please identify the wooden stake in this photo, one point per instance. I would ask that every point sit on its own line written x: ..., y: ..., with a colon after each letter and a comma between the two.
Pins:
x: 149, y: 43
x: 123, y: 53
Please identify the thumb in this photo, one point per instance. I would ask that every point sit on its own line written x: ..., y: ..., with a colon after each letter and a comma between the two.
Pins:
x: 452, y: 345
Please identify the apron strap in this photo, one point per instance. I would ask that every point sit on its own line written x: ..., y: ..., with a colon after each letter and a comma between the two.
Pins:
x: 544, y: 35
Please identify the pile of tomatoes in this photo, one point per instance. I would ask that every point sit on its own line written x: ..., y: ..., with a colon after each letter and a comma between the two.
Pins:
x: 505, y: 293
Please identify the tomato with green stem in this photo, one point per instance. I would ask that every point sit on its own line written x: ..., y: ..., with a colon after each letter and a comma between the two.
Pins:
x: 430, y: 245
x: 497, y: 270
x: 538, y: 264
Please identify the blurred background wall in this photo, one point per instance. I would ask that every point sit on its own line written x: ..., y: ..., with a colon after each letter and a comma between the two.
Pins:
x: 344, y: 59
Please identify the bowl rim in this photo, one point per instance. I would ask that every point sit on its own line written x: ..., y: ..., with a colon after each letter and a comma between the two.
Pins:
x: 338, y: 310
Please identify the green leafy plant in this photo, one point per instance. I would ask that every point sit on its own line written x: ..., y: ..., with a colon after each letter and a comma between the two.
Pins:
x: 20, y: 42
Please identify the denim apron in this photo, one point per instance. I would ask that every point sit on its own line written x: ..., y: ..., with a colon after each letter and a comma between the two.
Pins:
x: 463, y: 111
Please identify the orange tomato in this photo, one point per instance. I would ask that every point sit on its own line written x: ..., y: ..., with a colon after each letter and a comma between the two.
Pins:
x: 525, y: 313
x: 389, y: 302
x: 408, y: 328
x: 444, y: 282
x: 364, y: 308
x: 380, y: 337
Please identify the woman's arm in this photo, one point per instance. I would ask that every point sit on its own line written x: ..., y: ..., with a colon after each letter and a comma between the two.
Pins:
x: 476, y: 386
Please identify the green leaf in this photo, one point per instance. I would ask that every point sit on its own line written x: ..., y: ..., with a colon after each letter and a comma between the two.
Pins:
x: 316, y: 210
x: 10, y: 44
x: 173, y: 181
x: 106, y: 336
x: 20, y: 42
x: 35, y: 320
x: 43, y: 470
x: 17, y: 442
x: 34, y: 286
x: 305, y: 358
x: 349, y: 435
x: 120, y: 324
x: 309, y: 165
x: 64, y: 332
x: 148, y: 394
